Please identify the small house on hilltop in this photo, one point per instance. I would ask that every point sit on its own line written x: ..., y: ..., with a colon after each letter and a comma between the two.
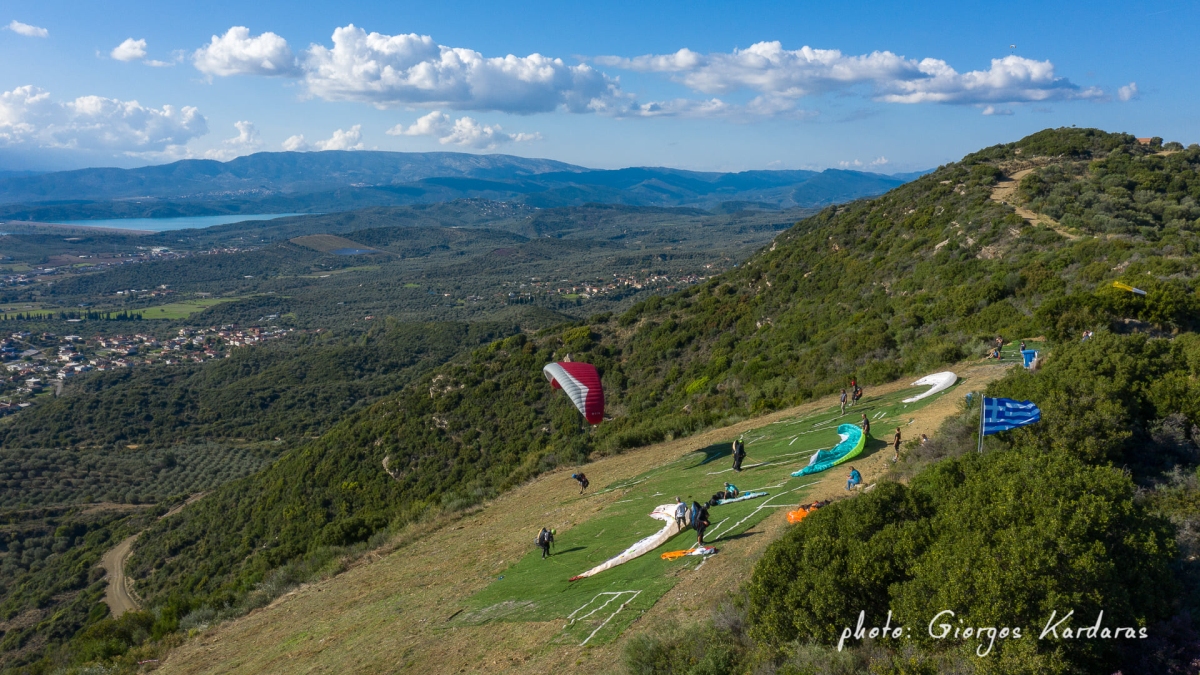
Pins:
x: 1145, y: 141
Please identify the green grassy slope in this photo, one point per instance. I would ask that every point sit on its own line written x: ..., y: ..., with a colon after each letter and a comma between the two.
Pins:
x: 877, y: 289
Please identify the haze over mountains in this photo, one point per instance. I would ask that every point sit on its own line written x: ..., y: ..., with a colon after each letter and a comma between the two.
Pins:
x: 320, y: 181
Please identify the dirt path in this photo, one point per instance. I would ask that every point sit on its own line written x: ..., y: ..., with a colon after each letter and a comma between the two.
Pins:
x: 119, y: 594
x: 389, y: 613
x: 1005, y: 192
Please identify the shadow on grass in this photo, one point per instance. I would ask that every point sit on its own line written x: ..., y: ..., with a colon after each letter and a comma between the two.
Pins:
x: 714, y: 452
x: 570, y: 550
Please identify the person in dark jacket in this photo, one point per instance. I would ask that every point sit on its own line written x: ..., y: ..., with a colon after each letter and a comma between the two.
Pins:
x: 699, y: 521
x: 544, y: 539
x: 739, y: 454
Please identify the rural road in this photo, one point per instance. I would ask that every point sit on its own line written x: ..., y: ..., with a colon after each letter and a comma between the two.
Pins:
x: 119, y: 597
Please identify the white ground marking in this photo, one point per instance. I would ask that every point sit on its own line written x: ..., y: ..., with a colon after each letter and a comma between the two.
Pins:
x: 760, y: 508
x: 613, y: 596
x: 610, y: 616
x: 794, y: 438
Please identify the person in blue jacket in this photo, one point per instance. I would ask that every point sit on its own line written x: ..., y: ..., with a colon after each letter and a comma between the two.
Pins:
x: 855, y: 479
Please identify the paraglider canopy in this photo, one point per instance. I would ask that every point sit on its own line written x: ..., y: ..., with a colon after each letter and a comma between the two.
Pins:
x: 582, y: 384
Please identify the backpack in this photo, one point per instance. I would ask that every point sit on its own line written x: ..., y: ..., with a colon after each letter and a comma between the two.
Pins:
x: 695, y: 514
x: 541, y: 538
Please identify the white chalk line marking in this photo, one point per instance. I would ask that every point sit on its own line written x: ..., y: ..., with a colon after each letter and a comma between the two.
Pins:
x: 717, y: 538
x: 614, y: 594
x: 610, y: 618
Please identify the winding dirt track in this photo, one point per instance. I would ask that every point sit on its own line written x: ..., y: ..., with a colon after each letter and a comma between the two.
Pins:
x: 119, y: 595
x: 1005, y: 192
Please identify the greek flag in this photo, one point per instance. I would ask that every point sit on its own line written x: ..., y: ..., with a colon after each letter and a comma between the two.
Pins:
x: 1002, y: 414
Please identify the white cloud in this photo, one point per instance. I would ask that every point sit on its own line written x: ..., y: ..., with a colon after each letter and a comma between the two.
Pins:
x: 246, y: 142
x: 993, y: 110
x: 859, y: 164
x: 295, y: 143
x: 772, y: 71
x: 343, y: 139
x: 1128, y: 92
x: 30, y: 118
x: 238, y: 53
x: 129, y: 50
x: 413, y: 70
x: 27, y: 30
x: 465, y: 131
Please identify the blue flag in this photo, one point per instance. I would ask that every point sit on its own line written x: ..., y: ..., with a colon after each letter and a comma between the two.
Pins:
x: 1002, y: 414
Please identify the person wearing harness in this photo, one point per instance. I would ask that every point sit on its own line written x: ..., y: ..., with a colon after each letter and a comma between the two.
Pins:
x: 699, y: 521
x: 583, y: 481
x: 854, y: 479
x: 731, y: 491
x: 544, y: 539
x: 739, y: 454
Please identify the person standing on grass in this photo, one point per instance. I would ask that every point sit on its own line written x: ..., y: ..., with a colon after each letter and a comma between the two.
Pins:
x: 739, y: 454
x: 583, y: 481
x: 866, y: 425
x: 699, y: 521
x: 896, y: 444
x: 843, y: 401
x: 680, y: 513
x: 544, y: 539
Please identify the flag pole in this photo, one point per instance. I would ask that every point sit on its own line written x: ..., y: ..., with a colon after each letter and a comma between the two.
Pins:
x: 982, y: 405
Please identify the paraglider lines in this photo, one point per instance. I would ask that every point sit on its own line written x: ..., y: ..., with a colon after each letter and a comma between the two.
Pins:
x: 614, y: 595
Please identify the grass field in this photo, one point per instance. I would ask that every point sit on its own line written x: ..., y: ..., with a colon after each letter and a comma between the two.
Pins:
x: 596, y: 609
x: 329, y: 243
x: 182, y: 309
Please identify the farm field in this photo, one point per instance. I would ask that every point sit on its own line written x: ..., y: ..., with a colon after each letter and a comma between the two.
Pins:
x: 182, y: 309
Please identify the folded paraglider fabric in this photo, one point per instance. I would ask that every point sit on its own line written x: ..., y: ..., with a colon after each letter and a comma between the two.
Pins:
x: 852, y: 444
x: 665, y: 513
x: 742, y: 498
x: 697, y: 550
x: 799, y: 514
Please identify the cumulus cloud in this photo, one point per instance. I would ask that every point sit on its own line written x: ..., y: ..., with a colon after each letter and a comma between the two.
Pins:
x: 238, y: 53
x: 859, y: 164
x: 782, y: 75
x: 129, y: 50
x: 413, y: 70
x: 27, y: 30
x: 1128, y: 92
x: 30, y: 118
x: 464, y: 131
x: 246, y: 142
x: 295, y: 143
x: 343, y: 139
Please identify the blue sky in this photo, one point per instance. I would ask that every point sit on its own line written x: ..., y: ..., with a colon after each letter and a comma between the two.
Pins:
x: 876, y: 86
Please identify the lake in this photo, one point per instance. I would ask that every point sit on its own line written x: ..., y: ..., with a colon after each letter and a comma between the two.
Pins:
x: 181, y: 223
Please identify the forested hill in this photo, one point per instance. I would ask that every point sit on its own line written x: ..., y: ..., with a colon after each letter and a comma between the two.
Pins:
x: 900, y: 284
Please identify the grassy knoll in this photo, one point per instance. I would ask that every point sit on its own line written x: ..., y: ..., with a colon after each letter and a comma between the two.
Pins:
x: 597, y: 609
x: 418, y: 606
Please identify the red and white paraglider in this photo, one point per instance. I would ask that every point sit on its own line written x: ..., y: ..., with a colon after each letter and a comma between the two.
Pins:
x: 582, y: 384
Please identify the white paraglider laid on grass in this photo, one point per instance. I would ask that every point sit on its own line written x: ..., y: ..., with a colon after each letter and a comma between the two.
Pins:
x: 939, y: 382
x: 665, y: 513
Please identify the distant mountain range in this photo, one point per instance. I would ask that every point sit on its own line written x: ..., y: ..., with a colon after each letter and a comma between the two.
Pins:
x: 272, y: 182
